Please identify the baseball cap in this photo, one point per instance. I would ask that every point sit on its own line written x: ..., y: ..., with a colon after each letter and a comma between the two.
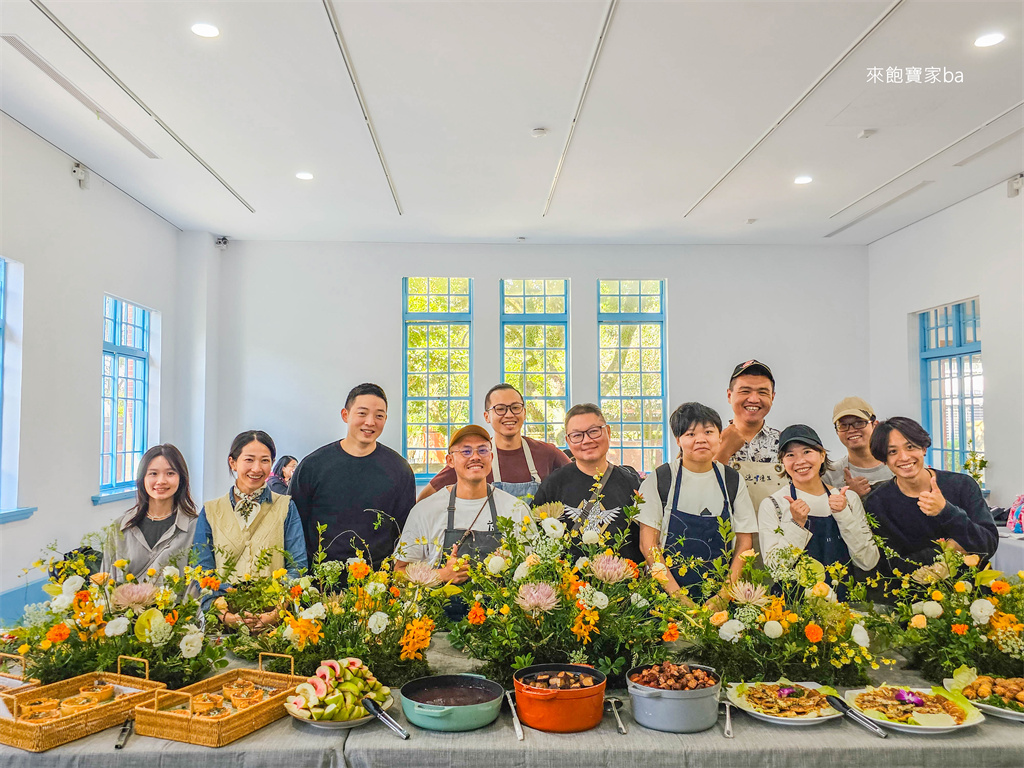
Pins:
x: 799, y: 433
x: 852, y: 406
x: 752, y: 368
x: 466, y: 431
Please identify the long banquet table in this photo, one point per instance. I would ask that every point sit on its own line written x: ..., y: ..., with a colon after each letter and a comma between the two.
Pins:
x: 839, y: 744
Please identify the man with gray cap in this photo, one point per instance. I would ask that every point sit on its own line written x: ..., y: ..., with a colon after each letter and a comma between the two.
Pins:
x: 854, y: 420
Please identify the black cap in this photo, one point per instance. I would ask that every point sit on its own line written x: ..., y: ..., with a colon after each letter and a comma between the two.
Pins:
x: 752, y: 368
x: 799, y: 433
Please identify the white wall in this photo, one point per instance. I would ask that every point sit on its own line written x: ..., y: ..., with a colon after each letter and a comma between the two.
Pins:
x: 975, y: 248
x: 75, y: 246
x: 301, y: 323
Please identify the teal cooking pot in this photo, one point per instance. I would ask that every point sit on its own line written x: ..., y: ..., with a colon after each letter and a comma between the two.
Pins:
x: 451, y: 702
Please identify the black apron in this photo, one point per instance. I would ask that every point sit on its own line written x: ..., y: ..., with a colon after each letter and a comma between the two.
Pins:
x: 476, y: 544
x: 701, y: 536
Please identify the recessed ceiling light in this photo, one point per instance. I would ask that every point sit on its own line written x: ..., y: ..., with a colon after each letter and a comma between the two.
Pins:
x: 304, y: 175
x: 993, y: 38
x: 538, y: 132
x: 205, y: 30
x: 802, y: 180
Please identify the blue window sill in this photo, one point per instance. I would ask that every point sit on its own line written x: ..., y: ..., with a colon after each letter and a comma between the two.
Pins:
x: 21, y: 513
x: 117, y: 494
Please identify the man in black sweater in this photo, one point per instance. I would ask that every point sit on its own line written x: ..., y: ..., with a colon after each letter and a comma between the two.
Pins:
x: 361, y: 490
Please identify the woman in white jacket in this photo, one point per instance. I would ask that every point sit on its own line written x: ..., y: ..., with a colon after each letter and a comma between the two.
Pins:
x: 828, y: 524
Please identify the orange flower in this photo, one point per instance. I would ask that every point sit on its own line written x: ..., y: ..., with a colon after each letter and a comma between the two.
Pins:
x: 83, y: 596
x: 999, y: 587
x: 58, y: 633
x: 359, y: 570
x: 671, y: 634
x: 210, y: 582
x: 477, y: 615
x: 395, y: 591
x: 1001, y: 620
x: 585, y: 624
x: 719, y: 618
x: 171, y: 618
x: 571, y: 583
x: 959, y: 629
x: 416, y: 638
x: 295, y: 592
x: 813, y: 632
x: 636, y: 570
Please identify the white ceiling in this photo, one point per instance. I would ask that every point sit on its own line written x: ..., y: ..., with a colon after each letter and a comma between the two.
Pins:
x: 683, y: 91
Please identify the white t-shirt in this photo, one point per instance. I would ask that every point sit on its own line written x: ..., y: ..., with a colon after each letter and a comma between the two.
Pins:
x: 875, y: 475
x: 699, y: 494
x: 423, y: 535
x: 852, y: 522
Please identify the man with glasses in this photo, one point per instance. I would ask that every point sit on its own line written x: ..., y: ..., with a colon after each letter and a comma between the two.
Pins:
x: 854, y: 420
x: 593, y: 490
x: 463, y: 520
x: 520, y: 463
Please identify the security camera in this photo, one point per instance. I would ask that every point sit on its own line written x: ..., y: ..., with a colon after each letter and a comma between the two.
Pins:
x: 221, y: 243
x: 81, y: 173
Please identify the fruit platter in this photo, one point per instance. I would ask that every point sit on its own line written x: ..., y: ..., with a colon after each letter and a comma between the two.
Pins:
x: 333, y: 697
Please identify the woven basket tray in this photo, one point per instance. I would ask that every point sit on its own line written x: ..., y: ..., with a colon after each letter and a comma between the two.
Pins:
x: 155, y: 718
x: 15, y: 683
x: 39, y: 737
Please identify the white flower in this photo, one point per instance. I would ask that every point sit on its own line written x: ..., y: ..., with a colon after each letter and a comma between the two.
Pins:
x: 931, y: 609
x: 191, y: 644
x: 160, y: 632
x: 731, y: 631
x: 521, y: 572
x: 773, y: 629
x: 373, y: 588
x: 353, y: 560
x: 378, y: 622
x: 981, y: 611
x: 116, y: 627
x: 860, y: 636
x: 170, y: 572
x: 61, y: 603
x: 315, y: 611
x: 305, y: 582
x: 658, y: 568
x: 72, y: 584
x: 638, y: 600
x: 289, y: 633
x: 582, y: 563
x: 600, y: 600
x: 496, y: 564
x: 590, y: 536
x: 553, y: 527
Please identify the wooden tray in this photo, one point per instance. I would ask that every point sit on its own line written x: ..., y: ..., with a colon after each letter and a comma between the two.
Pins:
x: 153, y: 718
x: 39, y: 737
x: 15, y: 683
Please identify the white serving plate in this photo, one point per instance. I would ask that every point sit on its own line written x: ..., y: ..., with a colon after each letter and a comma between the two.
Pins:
x: 1006, y: 714
x: 333, y: 725
x: 973, y: 718
x: 741, y: 703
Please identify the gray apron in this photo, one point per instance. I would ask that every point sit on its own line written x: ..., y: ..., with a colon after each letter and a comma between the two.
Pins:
x: 526, y: 490
x: 476, y: 544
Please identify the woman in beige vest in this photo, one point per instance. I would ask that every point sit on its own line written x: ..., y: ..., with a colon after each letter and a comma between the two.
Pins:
x: 235, y: 529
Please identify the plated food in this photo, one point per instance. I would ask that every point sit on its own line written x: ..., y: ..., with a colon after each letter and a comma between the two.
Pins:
x: 234, y: 696
x: 999, y: 696
x: 785, y: 702
x: 915, y: 710
x: 333, y: 696
x: 674, y: 677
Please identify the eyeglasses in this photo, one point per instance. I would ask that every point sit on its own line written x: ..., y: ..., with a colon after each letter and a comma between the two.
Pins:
x: 501, y: 409
x: 593, y: 433
x: 846, y: 427
x: 483, y: 451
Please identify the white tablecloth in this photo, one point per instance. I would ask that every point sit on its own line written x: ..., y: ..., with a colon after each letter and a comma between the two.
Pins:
x: 1009, y: 557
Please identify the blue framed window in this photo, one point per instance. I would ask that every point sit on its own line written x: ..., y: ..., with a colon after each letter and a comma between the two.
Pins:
x: 437, y: 361
x: 631, y: 383
x: 125, y: 392
x: 3, y: 332
x: 952, y: 383
x: 535, y: 352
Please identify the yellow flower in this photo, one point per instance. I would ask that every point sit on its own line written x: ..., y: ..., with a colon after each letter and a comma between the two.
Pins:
x: 45, y: 645
x: 874, y: 665
x: 748, y: 554
x: 120, y: 563
x: 130, y: 577
x: 151, y: 572
x: 960, y: 587
x: 820, y: 589
x: 792, y: 618
x: 504, y: 610
x: 25, y: 648
x: 490, y: 611
x: 280, y: 573
x: 937, y: 596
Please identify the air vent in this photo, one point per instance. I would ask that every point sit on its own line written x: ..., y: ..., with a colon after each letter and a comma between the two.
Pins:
x: 45, y: 67
x: 878, y: 208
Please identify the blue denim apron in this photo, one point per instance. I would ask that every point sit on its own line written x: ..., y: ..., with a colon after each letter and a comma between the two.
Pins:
x: 701, y: 535
x: 525, y: 490
x: 827, y: 545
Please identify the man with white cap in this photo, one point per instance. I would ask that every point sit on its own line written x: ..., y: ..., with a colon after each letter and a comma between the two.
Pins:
x: 854, y: 420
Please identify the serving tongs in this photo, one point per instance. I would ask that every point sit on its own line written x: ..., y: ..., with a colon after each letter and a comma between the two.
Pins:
x: 374, y: 709
x: 857, y: 717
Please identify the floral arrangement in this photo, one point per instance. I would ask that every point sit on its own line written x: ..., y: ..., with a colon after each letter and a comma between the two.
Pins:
x: 550, y: 594
x: 783, y: 622
x: 382, y: 617
x: 954, y: 612
x: 90, y: 620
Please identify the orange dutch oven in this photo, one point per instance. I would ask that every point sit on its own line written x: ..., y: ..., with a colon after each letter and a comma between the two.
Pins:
x: 560, y: 711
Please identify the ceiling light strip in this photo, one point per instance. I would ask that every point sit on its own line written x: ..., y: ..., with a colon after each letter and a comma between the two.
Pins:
x: 838, y: 62
x: 336, y: 24
x: 579, y: 106
x: 932, y: 156
x: 110, y: 73
x: 989, y: 148
x: 877, y: 208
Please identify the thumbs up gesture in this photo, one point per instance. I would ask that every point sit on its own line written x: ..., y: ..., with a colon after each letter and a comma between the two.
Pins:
x: 858, y: 485
x: 799, y: 510
x: 837, y: 501
x: 932, y: 501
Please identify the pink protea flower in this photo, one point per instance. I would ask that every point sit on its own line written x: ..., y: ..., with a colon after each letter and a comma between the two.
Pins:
x: 137, y: 596
x: 422, y: 574
x: 743, y: 592
x: 536, y: 598
x: 611, y: 569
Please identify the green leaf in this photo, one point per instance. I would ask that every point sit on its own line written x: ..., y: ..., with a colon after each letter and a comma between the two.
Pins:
x: 982, y: 578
